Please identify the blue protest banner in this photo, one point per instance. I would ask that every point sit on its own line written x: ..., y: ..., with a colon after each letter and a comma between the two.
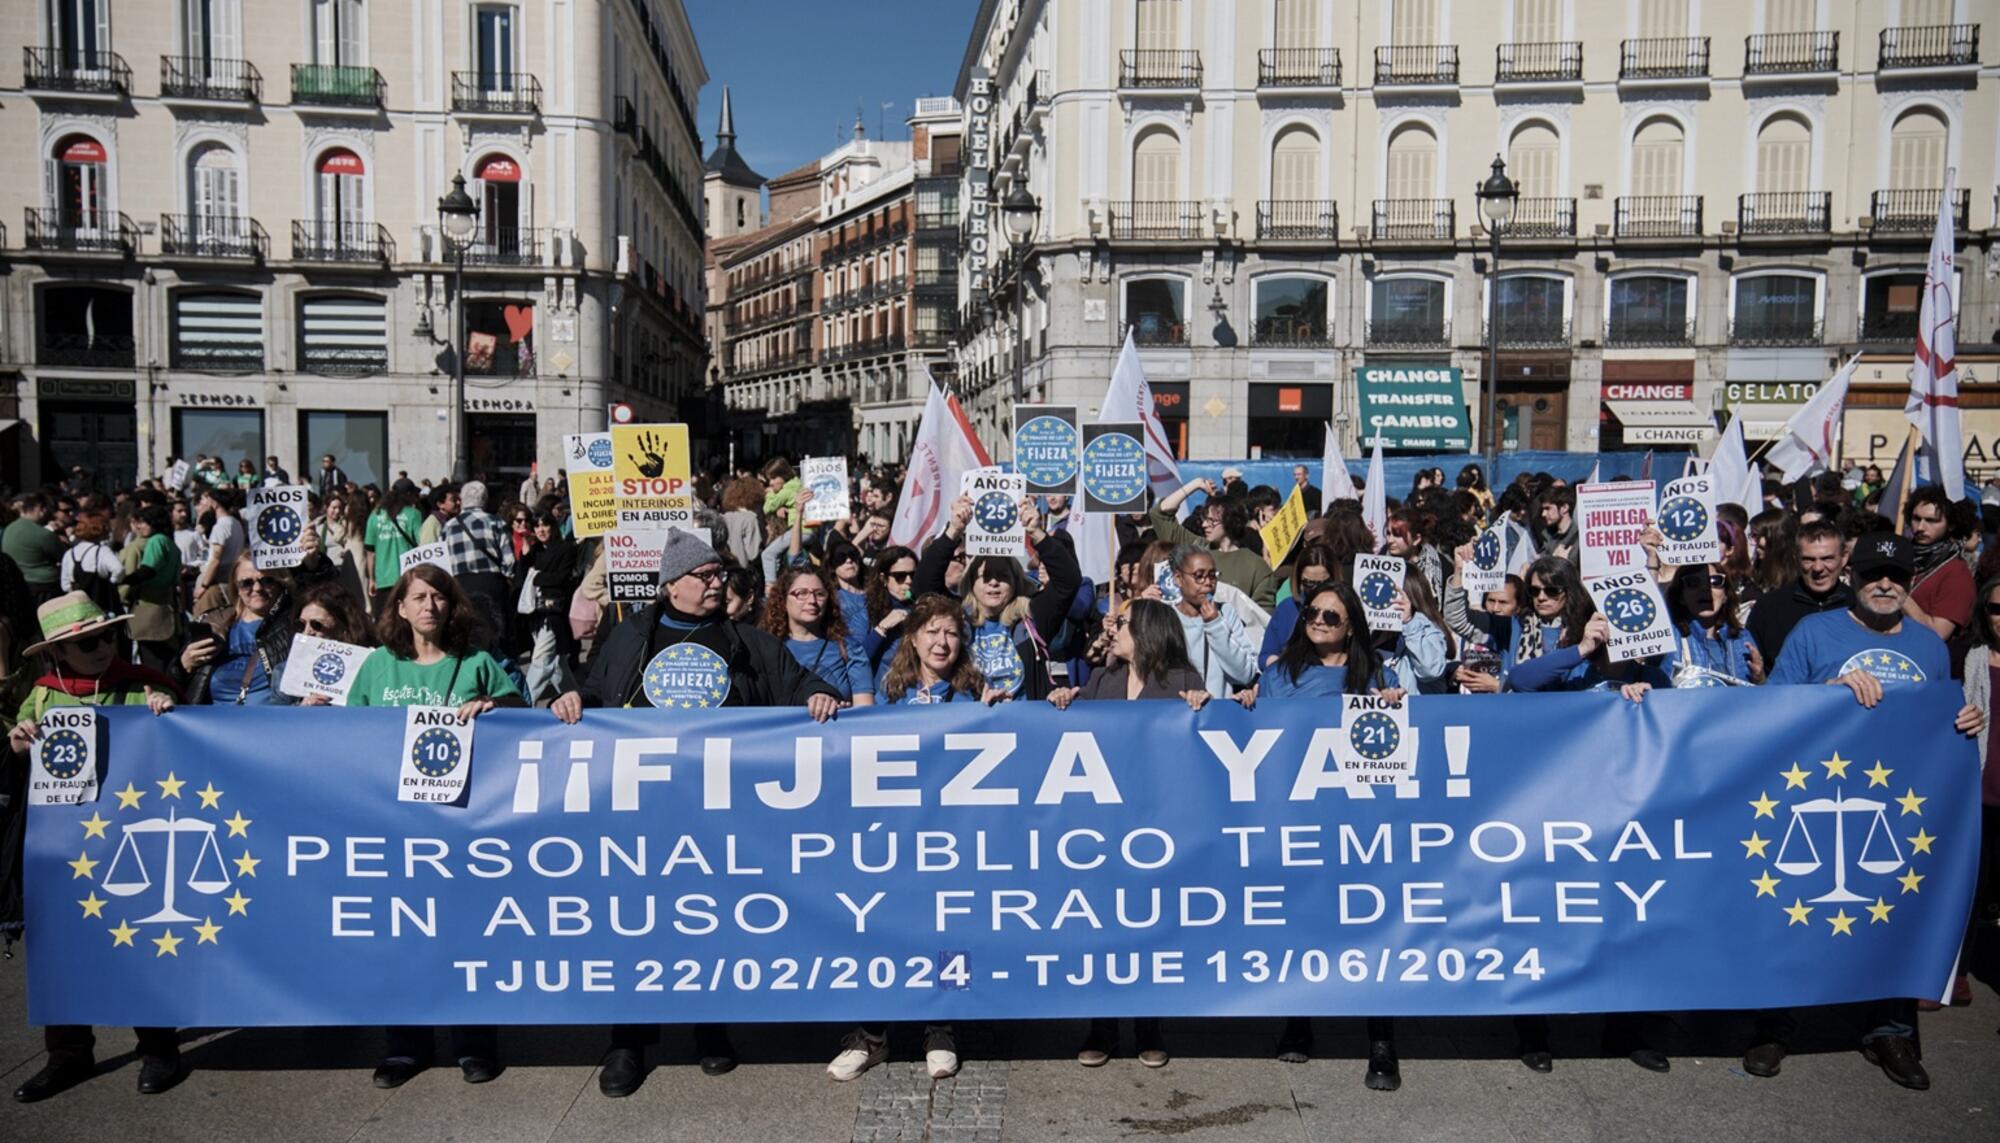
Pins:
x: 1731, y: 848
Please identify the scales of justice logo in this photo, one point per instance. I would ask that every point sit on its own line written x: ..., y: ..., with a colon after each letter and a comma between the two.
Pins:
x: 169, y: 866
x: 1843, y: 856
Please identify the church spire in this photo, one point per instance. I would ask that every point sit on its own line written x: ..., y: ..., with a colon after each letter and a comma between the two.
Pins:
x: 725, y: 131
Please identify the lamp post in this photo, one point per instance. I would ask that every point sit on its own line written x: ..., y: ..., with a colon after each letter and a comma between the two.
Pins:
x: 1497, y: 197
x: 457, y: 214
x: 1019, y: 213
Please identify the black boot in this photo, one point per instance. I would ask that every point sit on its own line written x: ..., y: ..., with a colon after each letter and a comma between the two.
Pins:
x: 1384, y: 1074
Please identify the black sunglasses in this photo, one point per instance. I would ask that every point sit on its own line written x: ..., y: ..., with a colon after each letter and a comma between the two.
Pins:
x: 1545, y: 591
x: 900, y: 577
x: 1715, y: 580
x: 1324, y: 617
x: 90, y: 642
x: 1311, y: 587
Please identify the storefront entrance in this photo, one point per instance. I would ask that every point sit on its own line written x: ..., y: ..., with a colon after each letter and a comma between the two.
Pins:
x: 89, y: 423
x: 503, y: 448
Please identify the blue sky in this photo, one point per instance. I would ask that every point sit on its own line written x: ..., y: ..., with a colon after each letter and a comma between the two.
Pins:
x: 796, y: 69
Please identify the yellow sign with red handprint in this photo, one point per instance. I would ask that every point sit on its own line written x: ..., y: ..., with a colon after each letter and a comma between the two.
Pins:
x: 654, y: 473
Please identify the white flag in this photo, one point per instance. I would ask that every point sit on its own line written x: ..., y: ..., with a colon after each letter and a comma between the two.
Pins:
x: 1933, y: 403
x: 1095, y: 537
x: 1596, y: 471
x: 1806, y: 446
x: 1334, y: 479
x: 1375, y: 499
x: 1731, y: 468
x: 946, y: 448
x: 1130, y: 398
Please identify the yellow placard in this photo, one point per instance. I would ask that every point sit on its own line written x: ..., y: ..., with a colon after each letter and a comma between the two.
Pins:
x: 593, y: 489
x: 1283, y: 531
x: 652, y: 466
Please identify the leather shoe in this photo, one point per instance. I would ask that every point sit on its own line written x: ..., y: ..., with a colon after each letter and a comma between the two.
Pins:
x: 1295, y: 1043
x: 620, y: 1072
x: 1764, y: 1060
x: 1897, y: 1057
x: 718, y: 1055
x: 1383, y: 1072
x: 477, y: 1069
x: 1961, y: 991
x: 1538, y: 1060
x: 58, y: 1076
x: 158, y: 1073
x: 390, y: 1074
x: 1652, y: 1059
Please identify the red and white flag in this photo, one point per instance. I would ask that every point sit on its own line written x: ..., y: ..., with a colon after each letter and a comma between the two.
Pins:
x: 945, y: 450
x: 1933, y: 403
x: 1130, y: 399
x: 1811, y: 437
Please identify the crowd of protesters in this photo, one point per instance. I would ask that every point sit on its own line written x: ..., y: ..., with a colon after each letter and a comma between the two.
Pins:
x: 148, y: 595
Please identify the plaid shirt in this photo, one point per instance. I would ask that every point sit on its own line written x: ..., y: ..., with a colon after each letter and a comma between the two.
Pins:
x: 479, y: 544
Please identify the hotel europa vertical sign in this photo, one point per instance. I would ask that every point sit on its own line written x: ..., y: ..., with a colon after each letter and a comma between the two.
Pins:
x: 978, y: 180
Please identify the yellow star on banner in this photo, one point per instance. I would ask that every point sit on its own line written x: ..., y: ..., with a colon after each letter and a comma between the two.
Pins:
x: 1843, y: 925
x: 1754, y: 846
x: 93, y: 905
x: 1798, y: 910
x: 1764, y: 805
x: 168, y: 944
x: 1767, y: 885
x: 1921, y: 843
x: 237, y: 824
x: 238, y: 903
x: 1911, y: 880
x: 82, y: 866
x: 209, y: 796
x: 1795, y: 778
x: 1836, y: 766
x: 170, y: 786
x: 93, y: 826
x: 128, y: 798
x: 1879, y: 911
x: 208, y: 928
x: 1911, y: 803
x: 1879, y: 776
x: 247, y: 865
x: 122, y: 935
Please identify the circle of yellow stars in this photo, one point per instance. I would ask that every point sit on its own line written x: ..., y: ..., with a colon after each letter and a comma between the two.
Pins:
x: 132, y: 797
x: 1840, y: 923
x: 691, y: 656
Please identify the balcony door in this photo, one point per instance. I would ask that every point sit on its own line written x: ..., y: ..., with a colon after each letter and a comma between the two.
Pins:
x: 80, y: 30
x: 1538, y: 21
x: 1159, y: 25
x: 76, y: 185
x: 1534, y: 160
x: 1156, y: 168
x: 211, y: 30
x: 337, y: 33
x: 1784, y: 156
x: 342, y: 208
x: 1412, y: 164
x: 495, y: 48
x: 1917, y: 152
x: 1663, y: 19
x: 499, y: 180
x: 1296, y: 25
x: 1789, y: 17
x: 1295, y: 166
x: 1413, y: 23
x: 215, y: 189
x: 1656, y: 162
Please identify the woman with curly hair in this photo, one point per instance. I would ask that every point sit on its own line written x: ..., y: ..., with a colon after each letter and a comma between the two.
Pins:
x: 802, y: 613
x: 933, y: 662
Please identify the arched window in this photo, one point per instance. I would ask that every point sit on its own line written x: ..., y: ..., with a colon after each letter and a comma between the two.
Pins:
x: 1156, y: 309
x: 1409, y: 310
x: 1784, y: 155
x: 75, y: 184
x: 499, y: 190
x: 214, y: 193
x: 341, y: 210
x: 1917, y: 148
x: 1295, y: 165
x: 1534, y: 160
x: 1412, y: 162
x: 1657, y: 152
x: 1156, y: 166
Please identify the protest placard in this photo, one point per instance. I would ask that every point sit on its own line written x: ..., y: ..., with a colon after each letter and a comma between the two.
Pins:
x: 438, y: 555
x: 632, y: 563
x: 1486, y: 570
x: 1687, y: 522
x: 437, y: 756
x: 1114, y: 468
x: 64, y: 769
x: 1378, y: 580
x: 318, y: 666
x: 276, y: 519
x: 1376, y: 746
x: 653, y: 469
x: 1609, y: 521
x: 826, y: 478
x: 593, y: 486
x: 1283, y: 531
x: 1632, y: 605
x: 1046, y: 448
x: 996, y: 528
x: 176, y: 477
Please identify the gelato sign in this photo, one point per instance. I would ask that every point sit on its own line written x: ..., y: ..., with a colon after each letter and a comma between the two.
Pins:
x: 1413, y: 407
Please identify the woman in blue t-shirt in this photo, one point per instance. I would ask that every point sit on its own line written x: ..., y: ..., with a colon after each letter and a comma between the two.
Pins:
x: 1330, y: 652
x: 891, y: 590
x: 1711, y: 646
x: 800, y: 612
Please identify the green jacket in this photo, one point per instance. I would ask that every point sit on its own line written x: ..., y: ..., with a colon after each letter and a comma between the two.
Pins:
x: 1241, y: 569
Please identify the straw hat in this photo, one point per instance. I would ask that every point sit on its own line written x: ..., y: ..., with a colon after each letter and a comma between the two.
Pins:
x: 70, y: 616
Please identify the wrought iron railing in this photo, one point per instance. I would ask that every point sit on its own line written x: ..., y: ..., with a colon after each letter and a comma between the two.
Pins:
x: 1657, y: 216
x: 83, y: 70
x: 199, y: 77
x: 1410, y: 333
x: 1915, y: 211
x: 343, y: 360
x: 1527, y: 332
x: 213, y: 236
x: 1416, y: 63
x: 1790, y: 53
x: 1298, y: 67
x: 315, y: 240
x: 1151, y: 329
x: 1538, y: 63
x: 333, y: 85
x: 1675, y: 57
x: 496, y: 92
x: 98, y: 232
x: 1298, y: 220
x: 1647, y: 332
x: 86, y: 350
x: 1937, y: 45
x: 1156, y: 67
x: 1292, y: 333
x: 1413, y: 219
x: 1895, y: 327
x: 508, y: 246
x: 1542, y: 218
x: 217, y: 357
x: 1784, y: 212
x: 1774, y: 330
x: 1155, y: 221
x: 625, y: 118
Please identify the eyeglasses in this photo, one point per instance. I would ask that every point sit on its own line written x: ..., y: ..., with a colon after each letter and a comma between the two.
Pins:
x: 709, y: 575
x: 1545, y: 591
x: 899, y: 576
x: 1993, y: 609
x: 255, y: 583
x: 1324, y: 617
x: 1311, y: 587
x: 993, y: 575
x: 1899, y: 576
x: 807, y: 593
x: 1717, y: 580
x: 1200, y: 575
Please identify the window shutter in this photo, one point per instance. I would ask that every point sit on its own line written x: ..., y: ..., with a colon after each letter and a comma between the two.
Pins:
x: 1533, y: 160
x: 1786, y: 16
x: 1413, y: 22
x: 1656, y: 160
x: 1662, y: 19
x: 1297, y: 24
x: 1784, y: 155
x: 1413, y: 164
x: 1159, y: 25
x: 1537, y: 21
x: 219, y: 330
x: 1917, y: 151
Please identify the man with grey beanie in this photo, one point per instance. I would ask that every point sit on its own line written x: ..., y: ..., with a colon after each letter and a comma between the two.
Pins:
x: 682, y: 653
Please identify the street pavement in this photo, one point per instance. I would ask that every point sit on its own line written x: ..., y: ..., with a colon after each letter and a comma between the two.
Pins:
x: 1020, y: 1084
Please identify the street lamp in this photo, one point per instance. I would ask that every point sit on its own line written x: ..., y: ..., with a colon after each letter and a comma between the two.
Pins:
x: 1019, y: 213
x: 1497, y: 198
x: 457, y: 215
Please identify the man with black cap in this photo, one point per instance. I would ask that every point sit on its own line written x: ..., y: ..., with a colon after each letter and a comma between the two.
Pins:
x: 682, y: 653
x: 1870, y: 646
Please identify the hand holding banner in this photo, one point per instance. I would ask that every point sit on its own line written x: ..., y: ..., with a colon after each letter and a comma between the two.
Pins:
x: 1610, y: 518
x: 64, y: 763
x: 826, y: 478
x: 276, y: 520
x: 318, y: 666
x: 996, y: 528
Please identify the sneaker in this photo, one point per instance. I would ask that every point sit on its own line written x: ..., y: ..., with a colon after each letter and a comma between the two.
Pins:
x: 1384, y: 1074
x: 1093, y: 1054
x: 940, y: 1051
x: 858, y: 1052
x: 1154, y: 1057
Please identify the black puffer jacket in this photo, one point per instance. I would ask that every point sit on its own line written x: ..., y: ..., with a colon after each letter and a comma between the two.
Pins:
x: 761, y: 671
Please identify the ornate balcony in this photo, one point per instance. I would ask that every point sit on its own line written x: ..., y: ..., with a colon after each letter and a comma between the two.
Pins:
x: 1416, y: 65
x: 1298, y: 67
x: 76, y: 72
x: 495, y: 93
x: 1915, y: 211
x: 314, y: 240
x: 1409, y: 334
x: 1677, y: 57
x: 1938, y: 45
x: 1414, y: 220
x: 1542, y: 218
x: 1784, y: 212
x: 104, y: 232
x: 1298, y: 220
x: 198, y: 77
x: 1647, y: 333
x: 1560, y: 62
x: 1791, y: 54
x: 509, y: 246
x: 1159, y: 69
x: 326, y: 85
x: 1161, y: 221
x: 1774, y: 330
x: 1657, y: 216
x: 213, y: 236
x: 1527, y: 332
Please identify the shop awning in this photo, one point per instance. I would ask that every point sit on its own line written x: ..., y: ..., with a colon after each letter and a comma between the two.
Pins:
x: 1662, y: 422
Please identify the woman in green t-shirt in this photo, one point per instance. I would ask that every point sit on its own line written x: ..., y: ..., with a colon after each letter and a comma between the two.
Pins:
x: 392, y: 530
x: 428, y: 657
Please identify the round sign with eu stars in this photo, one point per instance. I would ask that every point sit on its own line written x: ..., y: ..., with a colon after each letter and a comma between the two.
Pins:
x: 328, y: 669
x: 167, y: 866
x: 1836, y: 848
x: 437, y: 756
x: 1683, y: 519
x: 598, y: 451
x: 1486, y: 550
x: 1378, y: 580
x: 64, y: 765
x: 1045, y: 453
x: 1630, y: 610
x: 686, y: 676
x: 1886, y: 664
x: 64, y: 752
x: 995, y: 512
x: 1374, y: 736
x: 276, y: 517
x: 279, y: 525
x: 436, y: 753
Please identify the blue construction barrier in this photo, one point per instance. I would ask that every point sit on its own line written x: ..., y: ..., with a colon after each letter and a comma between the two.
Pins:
x: 1400, y: 470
